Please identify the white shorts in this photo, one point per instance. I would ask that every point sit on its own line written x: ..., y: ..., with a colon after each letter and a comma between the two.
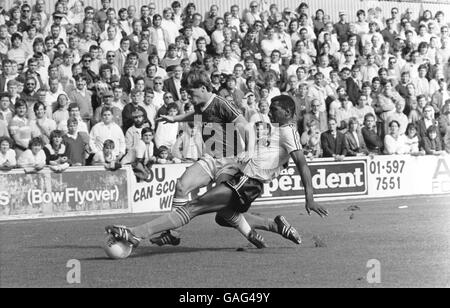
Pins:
x: 215, y: 167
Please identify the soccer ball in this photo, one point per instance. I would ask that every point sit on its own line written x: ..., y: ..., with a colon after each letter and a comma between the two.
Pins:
x: 116, y: 249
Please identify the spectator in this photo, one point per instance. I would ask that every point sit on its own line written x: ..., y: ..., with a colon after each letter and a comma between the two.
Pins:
x: 42, y: 126
x: 77, y: 143
x: 56, y: 152
x: 33, y: 159
x: 354, y: 140
x: 166, y: 133
x: 61, y: 114
x: 7, y: 154
x: 6, y: 112
x: 412, y: 140
x: 372, y: 139
x: 107, y: 157
x: 19, y: 128
x: 310, y: 140
x: 399, y: 116
x: 144, y: 155
x: 333, y: 142
x: 427, y: 121
x: 432, y: 142
x: 363, y: 108
x: 83, y: 98
x: 107, y: 102
x: 133, y: 136
x: 107, y: 130
x: 164, y: 156
x: 137, y: 99
x: 394, y: 143
x: 189, y: 145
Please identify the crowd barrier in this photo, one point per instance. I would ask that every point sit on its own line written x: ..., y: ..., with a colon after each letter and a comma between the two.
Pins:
x: 331, y: 7
x: 95, y: 191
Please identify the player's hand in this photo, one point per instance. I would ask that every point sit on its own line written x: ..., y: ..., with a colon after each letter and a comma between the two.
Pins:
x: 165, y: 119
x: 244, y: 157
x: 313, y: 206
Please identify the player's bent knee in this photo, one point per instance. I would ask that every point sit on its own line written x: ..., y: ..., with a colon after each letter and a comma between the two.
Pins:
x: 222, y: 221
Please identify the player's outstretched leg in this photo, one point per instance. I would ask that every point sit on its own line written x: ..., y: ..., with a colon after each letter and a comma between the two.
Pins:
x: 279, y: 225
x: 217, y: 199
x: 194, y: 177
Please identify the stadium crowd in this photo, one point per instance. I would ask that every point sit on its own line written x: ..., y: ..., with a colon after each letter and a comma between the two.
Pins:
x: 81, y: 86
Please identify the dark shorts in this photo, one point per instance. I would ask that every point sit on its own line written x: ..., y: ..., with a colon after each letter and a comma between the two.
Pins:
x: 246, y: 191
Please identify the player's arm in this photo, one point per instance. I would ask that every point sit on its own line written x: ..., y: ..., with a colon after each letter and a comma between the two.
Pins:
x: 185, y: 117
x: 305, y: 174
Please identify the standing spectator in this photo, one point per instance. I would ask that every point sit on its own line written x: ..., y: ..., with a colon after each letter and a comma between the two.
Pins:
x: 19, y: 128
x: 42, y: 126
x: 159, y: 36
x: 372, y: 139
x: 83, y: 98
x: 426, y: 121
x: 106, y: 130
x: 310, y: 140
x: 342, y: 27
x: 166, y: 133
x: 56, y: 152
x: 173, y: 84
x: 189, y: 146
x: 107, y: 99
x: 363, y: 108
x: 333, y: 142
x: 77, y: 143
x: 399, y: 116
x: 144, y: 155
x: 133, y: 136
x: 61, y: 114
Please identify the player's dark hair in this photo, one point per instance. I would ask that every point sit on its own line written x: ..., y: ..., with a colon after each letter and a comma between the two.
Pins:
x: 286, y: 102
x: 196, y: 79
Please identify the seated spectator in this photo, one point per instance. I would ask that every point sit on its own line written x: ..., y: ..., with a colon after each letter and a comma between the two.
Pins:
x: 7, y: 154
x: 56, y: 152
x: 41, y: 126
x: 333, y: 142
x: 33, y: 159
x: 77, y: 143
x: 310, y: 140
x: 372, y: 139
x: 107, y: 157
x: 431, y: 143
x: 107, y: 130
x: 144, y: 155
x: 412, y: 140
x: 394, y: 143
x: 354, y: 141
x: 166, y: 133
x: 189, y: 145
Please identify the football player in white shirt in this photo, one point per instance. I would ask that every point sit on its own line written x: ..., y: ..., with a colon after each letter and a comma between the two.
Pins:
x: 277, y: 144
